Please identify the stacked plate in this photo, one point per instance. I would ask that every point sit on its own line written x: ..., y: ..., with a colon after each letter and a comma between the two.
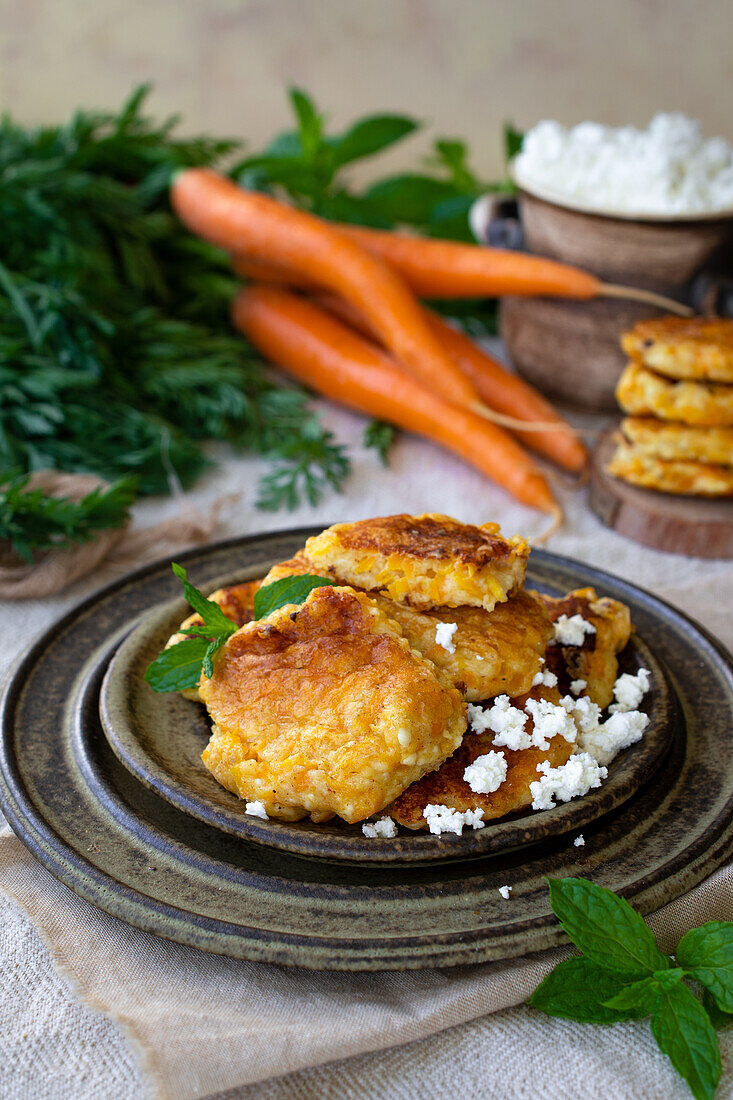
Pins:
x: 102, y: 780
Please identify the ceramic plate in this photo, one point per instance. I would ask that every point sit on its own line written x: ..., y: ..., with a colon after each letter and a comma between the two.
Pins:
x: 123, y: 847
x: 160, y: 738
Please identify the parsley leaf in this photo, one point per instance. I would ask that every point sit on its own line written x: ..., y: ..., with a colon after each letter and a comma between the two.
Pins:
x: 286, y: 590
x: 684, y: 1033
x: 380, y: 436
x: 605, y: 927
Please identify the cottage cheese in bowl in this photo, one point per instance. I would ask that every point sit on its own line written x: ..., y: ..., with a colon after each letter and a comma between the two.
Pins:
x: 668, y: 170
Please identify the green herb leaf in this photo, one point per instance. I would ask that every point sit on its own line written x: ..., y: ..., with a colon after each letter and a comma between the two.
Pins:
x: 309, y: 122
x: 179, y: 667
x: 409, y: 198
x: 718, y: 1018
x: 285, y: 591
x: 707, y: 954
x: 215, y: 622
x: 605, y: 927
x: 684, y: 1033
x: 578, y: 989
x: 380, y: 436
x: 33, y: 522
x: 639, y: 997
x: 513, y: 139
x: 370, y: 135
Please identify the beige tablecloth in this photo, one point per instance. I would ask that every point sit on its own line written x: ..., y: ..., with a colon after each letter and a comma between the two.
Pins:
x: 93, y: 1009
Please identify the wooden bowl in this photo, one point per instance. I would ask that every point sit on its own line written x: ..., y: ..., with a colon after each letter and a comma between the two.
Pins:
x: 571, y: 350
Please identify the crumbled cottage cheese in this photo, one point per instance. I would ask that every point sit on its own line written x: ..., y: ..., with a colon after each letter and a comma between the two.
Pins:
x: 628, y: 691
x: 618, y: 732
x: 579, y: 841
x: 505, y: 891
x: 585, y: 713
x: 544, y: 677
x: 506, y: 721
x: 549, y: 720
x: 668, y: 168
x: 256, y: 809
x: 578, y: 686
x: 444, y: 635
x: 570, y: 780
x: 572, y: 631
x: 487, y: 773
x: 385, y: 827
x: 443, y: 819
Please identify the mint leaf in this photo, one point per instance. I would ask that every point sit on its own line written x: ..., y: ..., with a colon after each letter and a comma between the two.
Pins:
x: 684, y: 1033
x: 707, y: 954
x: 605, y: 927
x: 513, y: 139
x: 639, y: 997
x: 178, y: 668
x: 309, y: 122
x: 280, y: 593
x: 577, y: 989
x: 371, y: 135
x: 215, y: 622
x: 409, y: 197
x: 718, y: 1018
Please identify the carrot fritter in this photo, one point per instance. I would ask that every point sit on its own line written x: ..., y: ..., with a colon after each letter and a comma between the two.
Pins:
x: 679, y: 442
x: 642, y: 392
x: 447, y: 787
x: 684, y: 347
x: 493, y: 652
x: 684, y: 477
x: 324, y: 709
x: 595, y: 660
x: 428, y: 561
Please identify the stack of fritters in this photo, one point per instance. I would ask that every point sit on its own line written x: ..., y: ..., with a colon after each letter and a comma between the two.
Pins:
x: 348, y: 704
x: 678, y: 386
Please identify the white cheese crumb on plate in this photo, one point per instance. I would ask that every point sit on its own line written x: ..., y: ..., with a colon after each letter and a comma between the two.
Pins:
x: 487, y: 773
x: 444, y: 819
x: 578, y: 686
x: 572, y: 631
x: 384, y: 827
x: 256, y: 809
x: 628, y: 691
x: 505, y: 891
x: 579, y: 841
x: 579, y: 775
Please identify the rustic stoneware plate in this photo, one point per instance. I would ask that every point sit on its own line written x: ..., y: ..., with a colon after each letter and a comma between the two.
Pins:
x: 121, y: 846
x: 160, y: 738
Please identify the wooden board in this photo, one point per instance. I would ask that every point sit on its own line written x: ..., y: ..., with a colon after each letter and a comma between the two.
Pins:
x: 694, y: 526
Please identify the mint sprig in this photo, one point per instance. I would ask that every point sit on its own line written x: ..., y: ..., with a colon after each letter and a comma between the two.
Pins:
x: 623, y: 975
x: 179, y: 667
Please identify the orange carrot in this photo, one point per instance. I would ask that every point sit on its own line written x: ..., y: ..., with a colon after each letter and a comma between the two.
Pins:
x: 333, y: 360
x: 450, y: 269
x: 501, y: 390
x: 245, y: 221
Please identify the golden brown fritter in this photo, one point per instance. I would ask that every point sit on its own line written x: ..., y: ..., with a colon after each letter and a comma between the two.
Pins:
x: 595, y: 660
x: 495, y: 652
x: 447, y: 787
x: 679, y: 442
x: 684, y: 347
x: 238, y: 604
x: 683, y: 477
x: 642, y: 392
x: 324, y: 709
x: 428, y: 561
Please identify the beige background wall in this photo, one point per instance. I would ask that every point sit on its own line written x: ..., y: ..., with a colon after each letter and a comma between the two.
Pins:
x: 464, y: 65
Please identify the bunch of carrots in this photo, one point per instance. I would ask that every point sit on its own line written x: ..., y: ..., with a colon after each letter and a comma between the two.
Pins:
x: 336, y: 306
